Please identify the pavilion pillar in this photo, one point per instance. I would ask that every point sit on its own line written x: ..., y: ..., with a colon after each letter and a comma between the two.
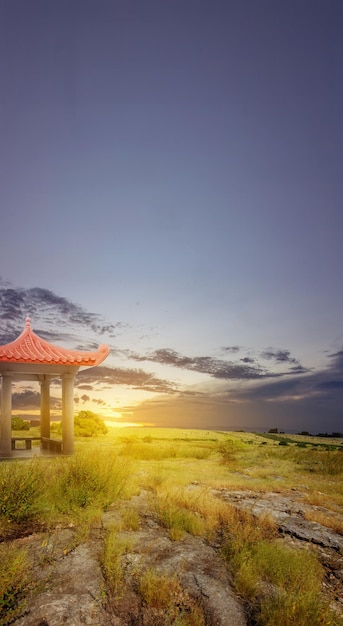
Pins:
x: 68, y: 412
x: 45, y: 407
x: 6, y: 415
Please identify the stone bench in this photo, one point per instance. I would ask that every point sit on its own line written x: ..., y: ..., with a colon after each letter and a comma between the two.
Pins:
x: 55, y: 445
x: 28, y: 442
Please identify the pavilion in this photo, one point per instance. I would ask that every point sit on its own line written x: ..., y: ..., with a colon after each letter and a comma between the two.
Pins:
x: 27, y: 358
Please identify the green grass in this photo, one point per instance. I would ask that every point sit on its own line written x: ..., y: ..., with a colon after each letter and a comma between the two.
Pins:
x: 179, y: 468
x: 14, y: 580
x: 283, y: 584
x: 169, y: 604
x: 111, y: 560
x: 20, y: 485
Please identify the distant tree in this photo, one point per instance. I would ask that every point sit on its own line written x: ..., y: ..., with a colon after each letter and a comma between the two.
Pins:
x: 88, y: 424
x: 273, y: 430
x: 19, y: 424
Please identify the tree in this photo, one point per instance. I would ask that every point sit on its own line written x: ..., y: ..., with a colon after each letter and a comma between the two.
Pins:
x: 19, y: 424
x: 88, y: 424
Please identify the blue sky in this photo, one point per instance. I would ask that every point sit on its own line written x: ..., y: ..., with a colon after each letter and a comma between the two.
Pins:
x: 174, y: 169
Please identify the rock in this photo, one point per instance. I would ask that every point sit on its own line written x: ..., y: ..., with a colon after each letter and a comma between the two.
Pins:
x: 72, y: 594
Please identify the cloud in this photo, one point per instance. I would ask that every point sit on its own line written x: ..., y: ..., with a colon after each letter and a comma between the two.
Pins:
x: 56, y: 315
x: 221, y: 413
x: 280, y: 356
x: 331, y: 385
x: 29, y: 400
x: 136, y: 378
x: 326, y: 383
x: 253, y: 392
x: 231, y: 349
x: 217, y: 368
x: 310, y: 402
x: 337, y: 360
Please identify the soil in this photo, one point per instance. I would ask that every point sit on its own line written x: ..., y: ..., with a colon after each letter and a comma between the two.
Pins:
x: 68, y: 585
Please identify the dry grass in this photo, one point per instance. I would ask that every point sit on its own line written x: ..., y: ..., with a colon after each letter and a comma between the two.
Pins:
x: 179, y: 469
x: 325, y: 519
x: 166, y: 602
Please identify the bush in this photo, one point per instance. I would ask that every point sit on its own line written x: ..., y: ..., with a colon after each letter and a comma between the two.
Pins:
x: 20, y: 485
x: 88, y: 424
x: 284, y: 584
x: 91, y: 478
x: 14, y: 578
x: 19, y: 424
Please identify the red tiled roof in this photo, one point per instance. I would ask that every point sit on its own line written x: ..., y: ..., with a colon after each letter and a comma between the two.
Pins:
x: 30, y: 348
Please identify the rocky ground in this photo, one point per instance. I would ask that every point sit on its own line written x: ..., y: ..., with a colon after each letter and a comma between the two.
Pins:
x: 69, y: 587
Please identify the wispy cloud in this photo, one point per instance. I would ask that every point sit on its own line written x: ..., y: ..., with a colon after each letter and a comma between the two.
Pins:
x: 56, y: 316
x: 29, y: 400
x: 323, y: 383
x: 136, y: 378
x: 230, y: 349
x: 279, y: 356
x: 216, y: 368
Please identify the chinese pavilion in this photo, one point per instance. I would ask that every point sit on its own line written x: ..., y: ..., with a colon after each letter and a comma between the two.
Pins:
x: 29, y: 358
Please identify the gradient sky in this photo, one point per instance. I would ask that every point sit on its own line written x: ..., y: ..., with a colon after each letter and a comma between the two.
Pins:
x: 171, y: 184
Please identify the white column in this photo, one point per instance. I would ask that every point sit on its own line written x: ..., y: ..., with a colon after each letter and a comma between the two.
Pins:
x: 6, y: 414
x: 68, y: 413
x: 45, y: 406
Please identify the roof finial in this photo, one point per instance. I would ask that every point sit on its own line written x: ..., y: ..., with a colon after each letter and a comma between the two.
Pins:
x: 28, y: 322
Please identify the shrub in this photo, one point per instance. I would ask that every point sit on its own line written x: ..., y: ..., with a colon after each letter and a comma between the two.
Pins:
x: 19, y: 488
x: 86, y: 424
x: 14, y: 578
x: 19, y: 424
x: 92, y: 477
x: 283, y: 583
x: 228, y: 451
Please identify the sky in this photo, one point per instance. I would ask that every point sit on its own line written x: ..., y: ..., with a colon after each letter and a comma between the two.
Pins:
x: 171, y: 185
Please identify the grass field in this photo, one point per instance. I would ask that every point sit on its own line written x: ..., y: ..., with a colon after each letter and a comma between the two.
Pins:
x: 46, y: 493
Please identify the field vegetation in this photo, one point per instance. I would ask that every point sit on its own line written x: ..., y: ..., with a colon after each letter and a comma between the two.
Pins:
x: 182, y: 471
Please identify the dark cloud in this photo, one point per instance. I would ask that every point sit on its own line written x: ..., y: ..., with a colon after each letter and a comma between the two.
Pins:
x: 312, y: 401
x: 231, y: 349
x: 85, y: 398
x: 136, y: 378
x: 28, y: 400
x: 98, y: 401
x: 298, y: 369
x: 55, y: 314
x: 217, y: 368
x: 337, y: 360
x: 247, y: 359
x: 330, y: 385
x: 324, y: 384
x: 280, y: 356
x: 221, y: 413
x: 86, y: 387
